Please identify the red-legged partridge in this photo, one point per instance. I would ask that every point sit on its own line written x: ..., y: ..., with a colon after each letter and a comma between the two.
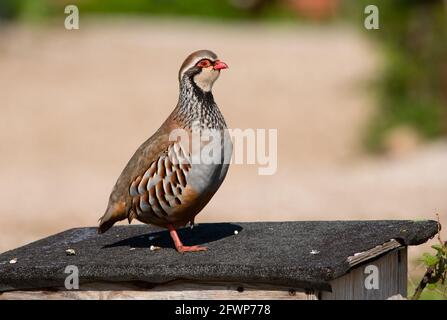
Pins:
x: 171, y: 178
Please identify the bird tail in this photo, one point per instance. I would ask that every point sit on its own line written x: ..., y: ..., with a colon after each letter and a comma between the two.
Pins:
x: 114, y: 213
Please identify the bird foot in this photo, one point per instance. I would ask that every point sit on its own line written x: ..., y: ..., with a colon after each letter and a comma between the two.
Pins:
x: 183, y: 249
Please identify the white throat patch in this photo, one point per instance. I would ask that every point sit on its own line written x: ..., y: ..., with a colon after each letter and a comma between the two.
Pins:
x: 205, y: 79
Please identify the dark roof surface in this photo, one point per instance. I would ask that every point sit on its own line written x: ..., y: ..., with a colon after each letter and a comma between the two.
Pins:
x: 262, y: 252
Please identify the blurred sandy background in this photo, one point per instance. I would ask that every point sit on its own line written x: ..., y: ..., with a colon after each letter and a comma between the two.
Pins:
x: 74, y: 106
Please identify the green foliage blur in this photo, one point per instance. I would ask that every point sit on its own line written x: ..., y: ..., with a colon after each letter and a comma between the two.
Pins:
x: 213, y: 9
x: 411, y: 89
x: 25, y: 10
x: 430, y: 293
x: 436, y: 286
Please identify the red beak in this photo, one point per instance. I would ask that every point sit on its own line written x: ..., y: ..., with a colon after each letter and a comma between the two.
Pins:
x: 218, y: 65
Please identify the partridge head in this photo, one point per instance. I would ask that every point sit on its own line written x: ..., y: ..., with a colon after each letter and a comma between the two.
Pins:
x: 166, y: 182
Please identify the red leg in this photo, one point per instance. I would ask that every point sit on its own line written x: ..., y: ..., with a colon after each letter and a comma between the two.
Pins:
x: 179, y: 245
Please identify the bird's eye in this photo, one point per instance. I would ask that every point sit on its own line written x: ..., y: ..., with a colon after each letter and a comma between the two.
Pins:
x: 205, y: 63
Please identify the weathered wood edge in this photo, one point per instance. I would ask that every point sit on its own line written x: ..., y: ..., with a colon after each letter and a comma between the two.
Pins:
x: 172, y: 290
x: 370, y: 254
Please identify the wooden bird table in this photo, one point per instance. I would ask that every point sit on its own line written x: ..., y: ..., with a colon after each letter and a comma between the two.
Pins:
x: 256, y: 260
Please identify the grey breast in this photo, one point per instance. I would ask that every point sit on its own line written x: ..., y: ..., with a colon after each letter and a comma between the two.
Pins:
x: 210, y: 160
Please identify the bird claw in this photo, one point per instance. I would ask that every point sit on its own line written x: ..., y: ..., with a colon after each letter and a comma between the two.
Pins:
x: 183, y: 249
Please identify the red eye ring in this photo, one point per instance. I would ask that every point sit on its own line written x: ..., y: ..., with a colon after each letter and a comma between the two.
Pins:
x: 205, y: 63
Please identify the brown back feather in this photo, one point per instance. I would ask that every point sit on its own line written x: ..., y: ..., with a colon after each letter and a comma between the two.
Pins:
x: 120, y: 201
